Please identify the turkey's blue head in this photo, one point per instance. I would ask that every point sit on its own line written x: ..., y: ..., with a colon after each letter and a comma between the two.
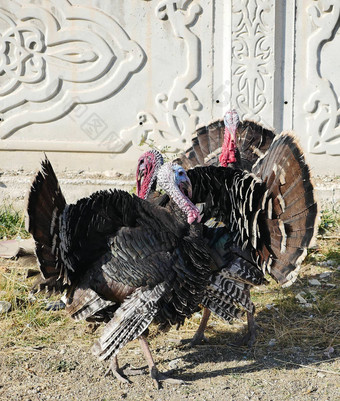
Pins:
x: 174, y: 180
x: 231, y: 121
x: 146, y: 174
x: 182, y: 181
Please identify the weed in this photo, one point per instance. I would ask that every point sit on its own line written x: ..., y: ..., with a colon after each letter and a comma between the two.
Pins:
x: 12, y: 223
x: 330, y: 221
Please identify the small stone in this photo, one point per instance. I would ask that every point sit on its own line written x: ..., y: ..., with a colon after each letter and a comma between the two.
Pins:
x: 314, y: 282
x: 174, y: 363
x: 5, y: 307
x: 325, y: 275
x: 32, y: 273
x: 109, y: 173
x: 329, y: 351
x: 272, y: 342
x: 300, y: 298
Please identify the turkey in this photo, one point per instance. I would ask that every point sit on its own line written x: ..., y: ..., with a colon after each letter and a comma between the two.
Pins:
x: 231, y: 285
x: 228, y: 143
x: 245, y: 245
x: 120, y: 259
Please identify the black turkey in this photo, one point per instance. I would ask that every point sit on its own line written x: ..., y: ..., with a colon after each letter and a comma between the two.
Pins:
x: 248, y: 241
x: 228, y: 143
x: 225, y: 283
x: 120, y: 259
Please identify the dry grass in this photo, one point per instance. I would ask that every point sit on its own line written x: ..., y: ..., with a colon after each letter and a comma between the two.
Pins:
x: 291, y: 323
x: 28, y: 323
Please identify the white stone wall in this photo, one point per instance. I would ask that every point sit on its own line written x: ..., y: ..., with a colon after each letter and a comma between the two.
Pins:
x: 88, y: 80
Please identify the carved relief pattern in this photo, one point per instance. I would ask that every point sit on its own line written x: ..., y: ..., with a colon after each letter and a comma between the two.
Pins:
x: 180, y: 104
x: 55, y: 56
x: 252, y: 56
x: 322, y: 105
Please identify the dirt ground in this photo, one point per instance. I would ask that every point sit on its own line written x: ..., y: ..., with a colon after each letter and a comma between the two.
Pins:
x: 60, y: 365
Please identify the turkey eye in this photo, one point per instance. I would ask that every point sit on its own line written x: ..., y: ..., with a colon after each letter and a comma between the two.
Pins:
x: 180, y: 173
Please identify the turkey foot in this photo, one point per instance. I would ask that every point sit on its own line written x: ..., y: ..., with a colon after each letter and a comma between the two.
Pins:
x: 155, y: 374
x: 249, y: 338
x: 199, y: 336
x: 133, y: 371
x: 158, y: 377
x: 118, y: 373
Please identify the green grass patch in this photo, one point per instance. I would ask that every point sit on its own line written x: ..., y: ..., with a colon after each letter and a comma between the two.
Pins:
x: 329, y: 221
x: 12, y: 223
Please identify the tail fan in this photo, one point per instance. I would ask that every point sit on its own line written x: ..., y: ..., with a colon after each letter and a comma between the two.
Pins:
x: 207, y: 144
x: 252, y: 141
x: 45, y: 204
x: 129, y: 321
x: 291, y: 207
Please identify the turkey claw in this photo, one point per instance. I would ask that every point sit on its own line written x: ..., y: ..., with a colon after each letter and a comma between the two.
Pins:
x: 118, y: 375
x: 158, y: 377
x: 196, y: 340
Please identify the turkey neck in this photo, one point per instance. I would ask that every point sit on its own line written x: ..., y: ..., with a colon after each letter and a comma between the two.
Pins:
x: 182, y: 201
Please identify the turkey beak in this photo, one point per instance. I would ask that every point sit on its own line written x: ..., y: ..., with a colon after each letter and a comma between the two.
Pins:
x: 186, y: 188
x: 141, y: 172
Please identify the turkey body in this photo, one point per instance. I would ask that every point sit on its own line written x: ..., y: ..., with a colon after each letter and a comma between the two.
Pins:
x: 277, y: 248
x: 260, y: 211
x: 120, y: 259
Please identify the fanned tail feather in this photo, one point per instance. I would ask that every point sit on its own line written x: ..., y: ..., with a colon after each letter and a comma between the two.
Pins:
x: 291, y: 207
x: 252, y: 142
x: 45, y: 204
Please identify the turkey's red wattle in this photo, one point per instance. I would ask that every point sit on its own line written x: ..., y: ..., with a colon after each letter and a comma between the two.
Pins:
x: 228, y: 149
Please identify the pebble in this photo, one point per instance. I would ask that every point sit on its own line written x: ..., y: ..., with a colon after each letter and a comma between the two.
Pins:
x: 174, y: 364
x: 300, y: 298
x: 5, y: 307
x: 325, y: 275
x: 314, y: 281
x: 271, y: 306
x: 329, y: 351
x: 272, y: 342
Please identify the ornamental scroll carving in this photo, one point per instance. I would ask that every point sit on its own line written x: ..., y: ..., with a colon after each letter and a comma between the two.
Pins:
x: 252, y: 57
x: 179, y: 105
x: 56, y: 55
x: 322, y: 105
